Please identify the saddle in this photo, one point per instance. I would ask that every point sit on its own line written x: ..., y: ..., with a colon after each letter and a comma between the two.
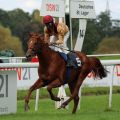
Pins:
x: 71, y: 59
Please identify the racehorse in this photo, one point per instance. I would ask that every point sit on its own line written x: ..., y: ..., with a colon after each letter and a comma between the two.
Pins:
x: 52, y: 70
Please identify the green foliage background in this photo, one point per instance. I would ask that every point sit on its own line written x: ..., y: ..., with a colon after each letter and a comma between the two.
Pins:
x: 10, y: 42
x: 18, y: 24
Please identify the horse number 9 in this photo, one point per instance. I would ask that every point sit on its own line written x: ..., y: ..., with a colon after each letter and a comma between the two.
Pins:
x: 3, y: 86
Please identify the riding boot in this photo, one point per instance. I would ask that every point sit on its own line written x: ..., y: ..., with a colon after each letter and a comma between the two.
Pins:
x: 70, y: 63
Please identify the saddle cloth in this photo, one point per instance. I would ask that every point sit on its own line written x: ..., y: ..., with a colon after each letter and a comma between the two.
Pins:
x: 75, y: 63
x: 71, y: 58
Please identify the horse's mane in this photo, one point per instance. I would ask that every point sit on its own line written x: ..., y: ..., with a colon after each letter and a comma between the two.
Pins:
x: 41, y: 40
x: 36, y: 34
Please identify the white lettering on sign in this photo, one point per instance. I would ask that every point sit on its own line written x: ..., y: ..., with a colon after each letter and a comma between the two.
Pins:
x: 8, y: 92
x: 55, y: 8
x: 82, y: 9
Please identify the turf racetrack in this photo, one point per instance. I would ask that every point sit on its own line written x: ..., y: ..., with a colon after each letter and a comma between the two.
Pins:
x: 92, y: 108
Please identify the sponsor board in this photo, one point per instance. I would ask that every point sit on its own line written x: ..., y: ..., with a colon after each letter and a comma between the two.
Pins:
x: 8, y: 92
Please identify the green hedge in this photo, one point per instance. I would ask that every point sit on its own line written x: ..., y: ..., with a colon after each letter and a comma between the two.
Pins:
x: 85, y: 91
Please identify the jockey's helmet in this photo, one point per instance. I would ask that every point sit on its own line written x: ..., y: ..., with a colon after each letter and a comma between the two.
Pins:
x: 47, y: 19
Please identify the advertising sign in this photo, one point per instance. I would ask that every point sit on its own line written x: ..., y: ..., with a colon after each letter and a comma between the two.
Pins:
x: 82, y: 9
x: 81, y: 34
x: 8, y: 92
x: 54, y: 8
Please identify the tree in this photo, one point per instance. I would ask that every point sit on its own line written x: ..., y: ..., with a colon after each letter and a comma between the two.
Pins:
x: 104, y: 25
x: 10, y: 42
x: 31, y: 27
x: 92, y: 38
x: 4, y: 18
x: 18, y: 20
x: 96, y: 31
x: 109, y: 46
x: 36, y: 16
x: 22, y: 24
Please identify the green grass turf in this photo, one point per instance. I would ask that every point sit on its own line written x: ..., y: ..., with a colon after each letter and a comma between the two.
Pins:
x: 109, y: 57
x: 92, y: 108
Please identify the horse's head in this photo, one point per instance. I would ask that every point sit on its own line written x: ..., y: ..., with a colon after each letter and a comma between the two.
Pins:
x: 34, y: 43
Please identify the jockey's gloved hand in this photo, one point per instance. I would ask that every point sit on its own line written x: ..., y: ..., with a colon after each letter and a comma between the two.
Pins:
x: 58, y: 42
x: 52, y: 43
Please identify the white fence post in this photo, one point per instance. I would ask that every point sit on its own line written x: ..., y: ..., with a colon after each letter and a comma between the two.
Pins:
x: 111, y: 87
x: 62, y: 95
x: 37, y: 99
x: 80, y: 93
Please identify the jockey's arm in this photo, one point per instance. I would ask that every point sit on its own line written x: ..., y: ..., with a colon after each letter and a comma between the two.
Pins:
x: 62, y: 30
x: 47, y: 36
x: 60, y: 39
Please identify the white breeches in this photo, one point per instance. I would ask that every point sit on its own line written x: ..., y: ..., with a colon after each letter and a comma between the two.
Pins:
x: 61, y: 47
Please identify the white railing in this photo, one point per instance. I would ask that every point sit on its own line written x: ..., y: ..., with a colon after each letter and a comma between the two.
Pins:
x: 34, y: 65
x: 19, y: 65
x: 13, y: 57
x: 104, y: 55
x: 99, y: 55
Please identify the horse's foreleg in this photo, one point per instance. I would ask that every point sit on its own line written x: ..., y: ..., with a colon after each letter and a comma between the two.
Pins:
x: 54, y: 84
x: 36, y: 85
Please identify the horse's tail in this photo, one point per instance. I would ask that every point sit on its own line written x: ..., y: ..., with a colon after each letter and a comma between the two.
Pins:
x: 97, y: 68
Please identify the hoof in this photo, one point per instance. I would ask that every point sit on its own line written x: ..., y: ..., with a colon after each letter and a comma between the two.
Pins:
x: 27, y: 108
x: 59, y: 107
x: 56, y: 99
x: 73, y: 112
x: 63, y: 106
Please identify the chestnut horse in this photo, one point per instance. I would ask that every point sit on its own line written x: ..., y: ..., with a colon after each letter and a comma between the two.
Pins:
x: 52, y: 70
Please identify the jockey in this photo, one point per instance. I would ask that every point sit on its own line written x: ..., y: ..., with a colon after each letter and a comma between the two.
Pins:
x: 55, y: 32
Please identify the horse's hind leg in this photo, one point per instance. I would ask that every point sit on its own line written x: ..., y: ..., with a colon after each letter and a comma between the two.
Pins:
x: 56, y: 83
x: 76, y: 99
x: 36, y: 85
x: 81, y: 77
